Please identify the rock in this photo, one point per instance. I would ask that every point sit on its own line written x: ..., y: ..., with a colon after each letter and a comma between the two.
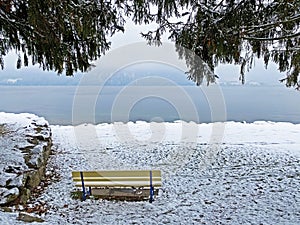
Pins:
x: 2, y: 190
x: 16, y: 182
x: 13, y: 169
x: 24, y: 159
x: 36, y: 161
x: 32, y: 140
x: 41, y: 137
x: 25, y: 195
x: 39, y: 149
x: 6, y: 209
x: 34, y: 178
x: 5, y: 178
x: 8, y: 195
x: 26, y: 217
x: 40, y: 123
x: 25, y: 147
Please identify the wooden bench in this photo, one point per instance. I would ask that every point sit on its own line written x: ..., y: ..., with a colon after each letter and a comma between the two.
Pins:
x: 119, y: 184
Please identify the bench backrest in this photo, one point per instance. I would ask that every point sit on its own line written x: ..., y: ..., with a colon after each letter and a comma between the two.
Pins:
x: 115, y: 178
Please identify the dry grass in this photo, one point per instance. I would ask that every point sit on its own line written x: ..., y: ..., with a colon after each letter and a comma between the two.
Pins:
x: 3, y: 129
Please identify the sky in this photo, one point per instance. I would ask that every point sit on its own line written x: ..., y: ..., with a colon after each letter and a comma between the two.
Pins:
x: 33, y: 75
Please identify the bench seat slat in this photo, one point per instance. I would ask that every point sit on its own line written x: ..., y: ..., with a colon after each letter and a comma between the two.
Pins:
x: 115, y: 173
x: 103, y: 179
x: 119, y: 184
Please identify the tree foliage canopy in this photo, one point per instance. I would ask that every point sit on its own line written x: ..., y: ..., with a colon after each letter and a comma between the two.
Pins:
x: 68, y: 35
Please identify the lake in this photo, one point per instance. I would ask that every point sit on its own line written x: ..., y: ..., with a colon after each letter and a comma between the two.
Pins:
x: 66, y: 105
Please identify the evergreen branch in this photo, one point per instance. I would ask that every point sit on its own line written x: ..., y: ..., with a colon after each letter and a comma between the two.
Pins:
x: 253, y: 28
x: 271, y: 39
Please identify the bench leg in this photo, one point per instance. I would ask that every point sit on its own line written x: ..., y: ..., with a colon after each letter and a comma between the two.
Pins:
x: 151, y: 189
x: 83, y: 188
x: 151, y: 199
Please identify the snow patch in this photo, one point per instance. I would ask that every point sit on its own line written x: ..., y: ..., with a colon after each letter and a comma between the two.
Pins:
x: 252, y: 177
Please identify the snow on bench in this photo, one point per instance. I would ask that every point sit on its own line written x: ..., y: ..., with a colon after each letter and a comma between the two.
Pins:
x: 119, y: 184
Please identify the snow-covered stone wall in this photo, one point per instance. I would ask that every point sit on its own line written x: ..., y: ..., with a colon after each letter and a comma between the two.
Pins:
x: 25, y: 145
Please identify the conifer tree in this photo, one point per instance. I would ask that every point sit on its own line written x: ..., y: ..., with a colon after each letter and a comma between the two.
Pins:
x: 69, y: 35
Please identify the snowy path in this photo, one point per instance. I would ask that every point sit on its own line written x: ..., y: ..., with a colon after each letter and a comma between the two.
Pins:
x: 254, y: 177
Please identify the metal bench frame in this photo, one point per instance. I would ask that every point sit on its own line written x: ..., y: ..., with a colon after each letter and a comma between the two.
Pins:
x: 115, y: 178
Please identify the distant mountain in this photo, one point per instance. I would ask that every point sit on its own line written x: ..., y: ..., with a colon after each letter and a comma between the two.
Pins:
x: 36, y: 77
x: 137, y: 74
x: 149, y: 75
x: 238, y: 83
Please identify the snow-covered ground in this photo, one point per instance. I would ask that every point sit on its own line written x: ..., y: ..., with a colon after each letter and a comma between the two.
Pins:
x: 250, y: 174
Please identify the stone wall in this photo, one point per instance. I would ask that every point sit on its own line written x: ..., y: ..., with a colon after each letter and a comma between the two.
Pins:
x: 25, y: 147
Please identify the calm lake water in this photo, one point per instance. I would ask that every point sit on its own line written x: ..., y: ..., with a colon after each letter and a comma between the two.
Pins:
x: 243, y: 103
